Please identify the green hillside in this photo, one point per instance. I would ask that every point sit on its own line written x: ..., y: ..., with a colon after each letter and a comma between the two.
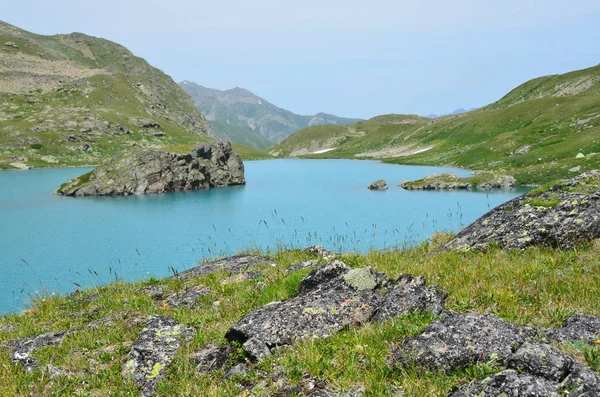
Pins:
x: 240, y: 135
x: 75, y: 99
x: 535, y: 132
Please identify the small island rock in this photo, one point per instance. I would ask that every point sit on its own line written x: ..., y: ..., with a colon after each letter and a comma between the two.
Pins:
x: 379, y: 185
x: 158, y: 171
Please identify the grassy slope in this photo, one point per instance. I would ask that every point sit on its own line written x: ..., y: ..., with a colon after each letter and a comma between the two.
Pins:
x: 538, y: 287
x: 239, y: 135
x: 559, y: 116
x: 97, y: 81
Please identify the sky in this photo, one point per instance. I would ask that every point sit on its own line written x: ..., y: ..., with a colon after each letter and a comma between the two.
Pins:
x: 352, y: 58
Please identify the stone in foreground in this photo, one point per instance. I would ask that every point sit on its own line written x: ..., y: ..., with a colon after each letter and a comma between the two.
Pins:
x: 154, y: 350
x: 561, y: 216
x: 330, y: 298
x: 379, y: 185
x: 530, y: 367
x: 158, y: 171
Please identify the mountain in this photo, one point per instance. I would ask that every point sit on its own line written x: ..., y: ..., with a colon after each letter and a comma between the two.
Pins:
x: 242, y: 108
x: 75, y: 99
x: 545, y: 129
x: 457, y: 111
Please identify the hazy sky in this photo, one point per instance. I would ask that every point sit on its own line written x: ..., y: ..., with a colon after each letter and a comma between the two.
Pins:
x: 348, y: 57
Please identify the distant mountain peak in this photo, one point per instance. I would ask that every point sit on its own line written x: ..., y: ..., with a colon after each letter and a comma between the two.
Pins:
x: 242, y: 108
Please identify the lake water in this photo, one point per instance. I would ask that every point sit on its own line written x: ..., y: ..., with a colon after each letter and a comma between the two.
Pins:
x: 48, y: 243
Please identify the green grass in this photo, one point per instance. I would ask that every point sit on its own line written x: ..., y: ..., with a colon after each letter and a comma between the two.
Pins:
x: 538, y: 287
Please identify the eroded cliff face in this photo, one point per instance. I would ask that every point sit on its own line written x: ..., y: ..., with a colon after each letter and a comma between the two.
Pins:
x: 158, y: 171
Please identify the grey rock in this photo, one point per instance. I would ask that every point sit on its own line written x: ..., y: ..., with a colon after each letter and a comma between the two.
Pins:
x: 85, y: 147
x: 154, y: 291
x: 146, y: 123
x: 582, y: 381
x: 22, y: 349
x: 188, y: 296
x: 212, y: 358
x: 154, y: 350
x: 157, y: 171
x: 457, y: 341
x: 577, y: 328
x: 542, y: 360
x: 498, y: 182
x: 331, y: 298
x: 522, y: 150
x: 379, y: 185
x: 509, y: 383
x: 443, y: 181
x: 319, y: 250
x: 241, y: 277
x: 560, y: 216
x: 233, y: 264
x: 55, y: 372
x: 409, y: 298
x: 11, y: 44
x: 238, y: 370
x: 309, y: 264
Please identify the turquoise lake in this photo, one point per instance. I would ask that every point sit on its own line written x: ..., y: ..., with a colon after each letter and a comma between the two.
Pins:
x: 49, y: 243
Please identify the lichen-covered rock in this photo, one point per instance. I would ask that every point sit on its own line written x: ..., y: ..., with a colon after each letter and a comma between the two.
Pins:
x: 309, y: 264
x: 509, y: 383
x: 188, y: 296
x: 233, y: 264
x: 22, y: 349
x: 459, y: 340
x: 562, y: 215
x: 330, y: 298
x: 577, y: 328
x: 154, y: 350
x: 542, y: 360
x: 409, y: 297
x: 158, y: 171
x: 212, y: 358
x: 319, y: 250
x: 530, y: 367
x: 379, y: 185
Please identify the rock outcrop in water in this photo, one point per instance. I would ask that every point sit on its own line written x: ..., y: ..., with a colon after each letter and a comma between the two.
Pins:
x: 450, y: 181
x: 561, y: 215
x: 530, y: 365
x: 379, y: 185
x: 331, y: 298
x: 158, y: 171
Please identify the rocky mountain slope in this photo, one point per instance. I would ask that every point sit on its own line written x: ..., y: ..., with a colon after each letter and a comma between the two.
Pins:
x: 242, y: 108
x: 545, y: 129
x: 75, y: 99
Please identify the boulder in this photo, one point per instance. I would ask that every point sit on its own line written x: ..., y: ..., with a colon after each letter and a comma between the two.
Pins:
x: 157, y: 171
x: 22, y: 349
x: 212, y: 358
x: 331, y: 298
x: 560, y: 216
x: 379, y: 185
x: 529, y: 366
x: 498, y: 182
x: 153, y: 352
x: 509, y: 383
x: 457, y: 341
x: 576, y: 329
x: 234, y: 264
